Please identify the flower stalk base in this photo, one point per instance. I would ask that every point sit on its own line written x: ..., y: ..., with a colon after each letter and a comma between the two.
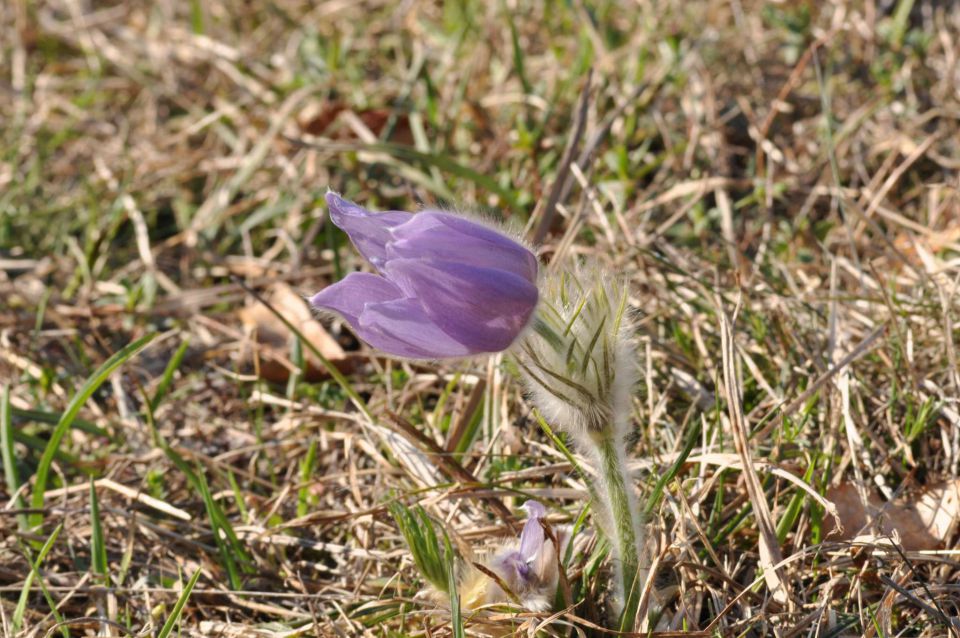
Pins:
x: 623, y: 524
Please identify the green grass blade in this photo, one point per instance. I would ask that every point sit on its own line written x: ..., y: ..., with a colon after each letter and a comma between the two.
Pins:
x: 307, y: 465
x: 52, y: 418
x: 456, y: 617
x: 98, y: 548
x: 93, y: 382
x: 901, y: 20
x: 21, y: 608
x: 657, y: 491
x: 790, y: 515
x: 296, y: 358
x: 178, y: 607
x: 196, y: 17
x: 217, y: 520
x: 518, y: 66
x: 164, y: 386
x: 238, y: 496
x: 423, y: 543
x: 471, y: 431
x: 229, y: 545
x: 10, y: 474
x: 442, y: 401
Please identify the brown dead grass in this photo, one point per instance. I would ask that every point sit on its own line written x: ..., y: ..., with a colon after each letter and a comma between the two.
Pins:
x: 159, y: 160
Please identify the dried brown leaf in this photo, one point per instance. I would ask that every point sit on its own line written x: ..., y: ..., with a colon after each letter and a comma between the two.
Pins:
x: 274, y: 338
x: 924, y: 522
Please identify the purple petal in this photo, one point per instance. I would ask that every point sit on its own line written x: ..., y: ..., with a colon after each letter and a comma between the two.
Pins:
x: 514, y: 566
x: 447, y: 237
x: 351, y: 294
x: 534, y: 509
x: 368, y: 231
x: 402, y: 328
x: 532, y: 537
x: 483, y: 308
x: 381, y: 316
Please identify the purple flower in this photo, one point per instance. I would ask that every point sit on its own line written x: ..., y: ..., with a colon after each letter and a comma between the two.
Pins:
x: 523, y: 567
x: 447, y: 286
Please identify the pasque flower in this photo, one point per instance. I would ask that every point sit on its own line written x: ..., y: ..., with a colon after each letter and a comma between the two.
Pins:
x: 446, y: 286
x: 526, y: 571
x: 521, y: 566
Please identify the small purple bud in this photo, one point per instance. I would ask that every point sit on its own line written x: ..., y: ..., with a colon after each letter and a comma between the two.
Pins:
x: 448, y: 286
x: 520, y: 567
x: 531, y: 538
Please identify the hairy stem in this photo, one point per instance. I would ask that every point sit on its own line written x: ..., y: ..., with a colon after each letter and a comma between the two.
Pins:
x: 624, y: 523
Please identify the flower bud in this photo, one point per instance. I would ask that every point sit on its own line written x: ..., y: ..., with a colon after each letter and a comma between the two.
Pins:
x: 579, y: 362
x: 523, y: 571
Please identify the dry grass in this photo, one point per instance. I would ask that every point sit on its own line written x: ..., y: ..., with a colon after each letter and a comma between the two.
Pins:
x: 798, y: 160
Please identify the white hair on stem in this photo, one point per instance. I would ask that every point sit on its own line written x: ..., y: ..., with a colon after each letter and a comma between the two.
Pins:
x: 580, y: 366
